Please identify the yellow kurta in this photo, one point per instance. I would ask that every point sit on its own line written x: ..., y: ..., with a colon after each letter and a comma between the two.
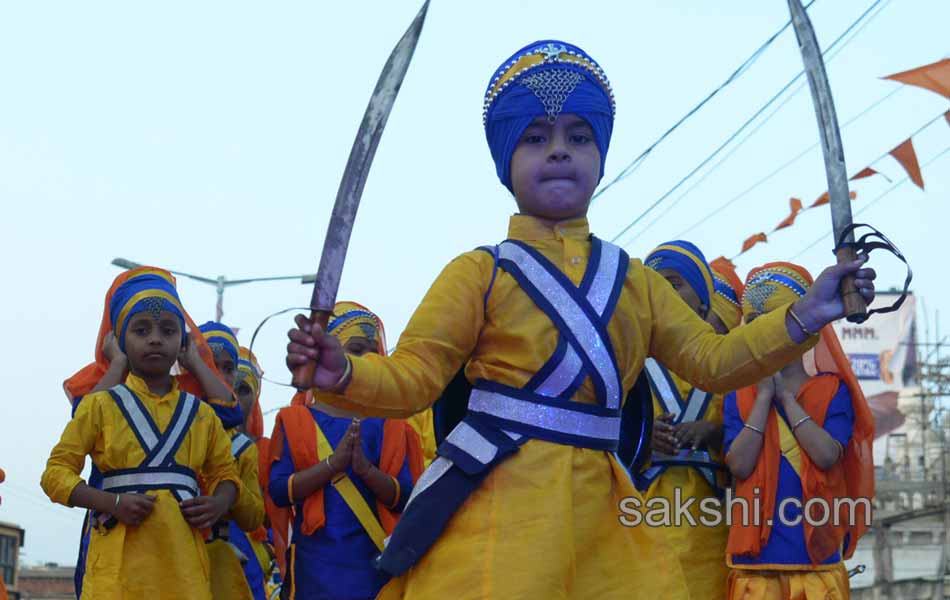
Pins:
x: 701, y: 549
x: 545, y: 523
x: 164, y: 557
x: 422, y: 424
x: 227, y: 575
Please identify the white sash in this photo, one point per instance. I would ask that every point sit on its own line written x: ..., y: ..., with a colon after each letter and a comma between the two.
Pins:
x: 584, y: 336
x: 158, y: 470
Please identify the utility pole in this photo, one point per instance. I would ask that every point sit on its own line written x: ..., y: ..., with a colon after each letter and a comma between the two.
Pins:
x: 220, y: 282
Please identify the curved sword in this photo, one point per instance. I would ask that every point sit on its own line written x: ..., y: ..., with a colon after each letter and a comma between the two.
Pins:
x: 837, y: 174
x: 327, y: 281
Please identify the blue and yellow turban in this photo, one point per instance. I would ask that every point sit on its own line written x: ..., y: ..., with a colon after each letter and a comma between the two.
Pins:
x: 545, y: 78
x: 220, y: 337
x: 250, y: 370
x: 351, y: 320
x: 153, y: 291
x: 772, y: 286
x: 689, y: 261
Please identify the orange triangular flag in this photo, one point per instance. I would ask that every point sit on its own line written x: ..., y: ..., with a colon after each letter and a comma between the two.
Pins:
x: 722, y: 264
x: 934, y: 77
x: 905, y: 155
x: 865, y: 172
x: 796, y: 206
x: 752, y: 241
x: 825, y: 199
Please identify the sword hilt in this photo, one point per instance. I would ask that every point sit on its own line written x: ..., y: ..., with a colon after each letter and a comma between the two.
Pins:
x: 303, y: 375
x: 855, y: 308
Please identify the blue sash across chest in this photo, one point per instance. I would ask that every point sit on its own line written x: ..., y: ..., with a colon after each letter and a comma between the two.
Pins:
x: 500, y: 417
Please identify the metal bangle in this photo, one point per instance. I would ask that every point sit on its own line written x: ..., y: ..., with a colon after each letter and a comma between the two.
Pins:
x: 753, y: 428
x: 346, y: 373
x: 800, y: 421
x: 801, y: 324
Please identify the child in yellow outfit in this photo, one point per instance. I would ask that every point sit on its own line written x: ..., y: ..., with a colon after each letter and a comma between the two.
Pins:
x: 151, y: 442
x: 553, y: 326
x: 228, y: 558
x: 686, y: 461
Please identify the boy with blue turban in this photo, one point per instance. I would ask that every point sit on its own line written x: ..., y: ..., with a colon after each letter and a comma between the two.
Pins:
x: 552, y: 326
x: 228, y: 547
x: 687, y: 436
x: 151, y: 442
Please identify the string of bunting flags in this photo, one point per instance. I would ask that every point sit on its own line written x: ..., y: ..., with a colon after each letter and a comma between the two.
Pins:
x: 934, y: 77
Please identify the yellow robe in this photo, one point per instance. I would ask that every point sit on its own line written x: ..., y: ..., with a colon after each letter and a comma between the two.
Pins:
x: 227, y: 575
x: 163, y: 557
x: 546, y: 522
x: 701, y: 549
x: 422, y: 424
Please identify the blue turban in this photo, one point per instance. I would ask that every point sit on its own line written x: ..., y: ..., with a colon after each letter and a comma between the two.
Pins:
x: 510, y: 105
x: 687, y: 260
x: 220, y: 336
x: 147, y: 292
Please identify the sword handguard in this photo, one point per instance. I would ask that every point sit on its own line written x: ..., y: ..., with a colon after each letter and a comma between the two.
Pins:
x: 303, y: 375
x: 855, y: 308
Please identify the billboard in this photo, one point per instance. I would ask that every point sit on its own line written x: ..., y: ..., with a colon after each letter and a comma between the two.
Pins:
x: 883, y: 356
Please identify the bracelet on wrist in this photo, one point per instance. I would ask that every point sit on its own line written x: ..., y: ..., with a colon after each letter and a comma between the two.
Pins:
x: 808, y: 332
x: 800, y: 421
x: 339, y: 382
x: 753, y: 428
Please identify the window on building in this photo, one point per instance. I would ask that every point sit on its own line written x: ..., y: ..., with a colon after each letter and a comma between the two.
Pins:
x: 8, y: 545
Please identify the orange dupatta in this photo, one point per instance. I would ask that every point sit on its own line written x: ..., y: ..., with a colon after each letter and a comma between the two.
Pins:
x: 84, y: 380
x: 851, y: 477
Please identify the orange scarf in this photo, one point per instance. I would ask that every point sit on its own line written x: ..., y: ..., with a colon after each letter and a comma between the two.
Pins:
x: 851, y: 477
x: 82, y: 382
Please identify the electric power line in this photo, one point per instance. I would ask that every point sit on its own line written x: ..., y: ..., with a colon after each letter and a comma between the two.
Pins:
x: 749, y: 121
x: 874, y: 201
x: 785, y: 165
x: 742, y: 68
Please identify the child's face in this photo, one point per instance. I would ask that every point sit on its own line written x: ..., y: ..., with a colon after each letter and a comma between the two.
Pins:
x: 684, y: 289
x: 152, y: 343
x: 245, y: 394
x: 226, y: 366
x: 555, y: 168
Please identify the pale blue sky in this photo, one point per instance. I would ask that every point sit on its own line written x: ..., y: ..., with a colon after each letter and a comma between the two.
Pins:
x: 210, y: 138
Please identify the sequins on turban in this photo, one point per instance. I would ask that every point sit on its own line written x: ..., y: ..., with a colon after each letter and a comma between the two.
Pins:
x: 351, y: 320
x: 687, y: 260
x: 542, y: 79
x: 772, y: 286
x: 152, y: 291
x: 221, y: 337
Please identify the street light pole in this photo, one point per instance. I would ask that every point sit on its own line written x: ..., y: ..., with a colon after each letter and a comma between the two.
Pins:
x: 220, y: 282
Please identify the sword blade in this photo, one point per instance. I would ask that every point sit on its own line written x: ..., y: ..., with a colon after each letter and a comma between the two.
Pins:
x: 832, y: 149
x: 348, y: 195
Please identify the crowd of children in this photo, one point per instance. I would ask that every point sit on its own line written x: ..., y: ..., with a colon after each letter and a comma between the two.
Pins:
x: 553, y: 328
